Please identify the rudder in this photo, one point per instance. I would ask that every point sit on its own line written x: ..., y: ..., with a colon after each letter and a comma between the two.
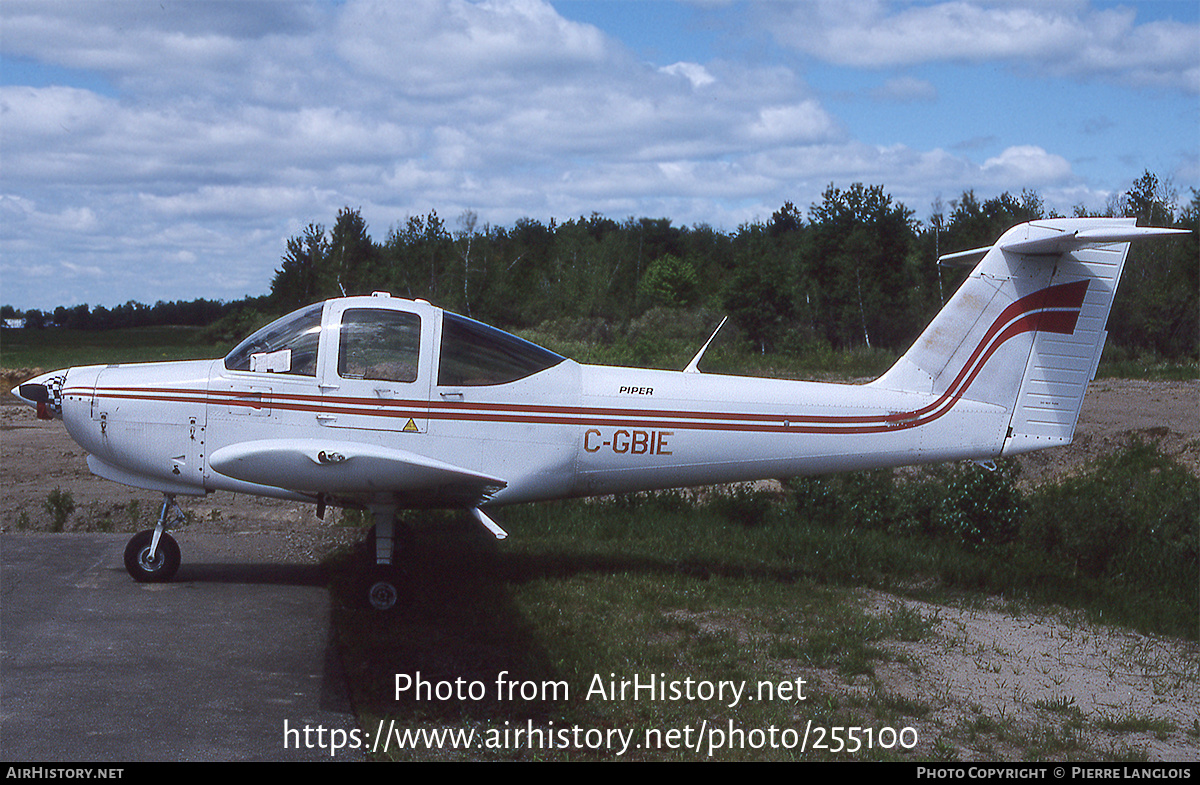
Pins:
x: 1066, y: 349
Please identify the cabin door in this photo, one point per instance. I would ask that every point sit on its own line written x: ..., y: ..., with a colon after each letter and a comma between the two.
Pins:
x: 378, y: 374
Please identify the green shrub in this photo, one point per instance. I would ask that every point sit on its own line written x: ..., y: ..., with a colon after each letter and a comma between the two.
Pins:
x: 853, y: 500
x: 1132, y: 518
x: 744, y: 505
x: 59, y: 505
x: 670, y: 282
x: 980, y: 508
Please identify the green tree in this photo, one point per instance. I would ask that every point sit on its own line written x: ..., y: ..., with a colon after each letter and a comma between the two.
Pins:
x: 854, y: 265
x: 35, y: 319
x: 758, y: 292
x: 415, y: 260
x: 974, y: 224
x: 669, y: 281
x: 1157, y: 307
x: 297, y: 282
x: 353, y: 265
x: 784, y: 220
x: 1151, y: 201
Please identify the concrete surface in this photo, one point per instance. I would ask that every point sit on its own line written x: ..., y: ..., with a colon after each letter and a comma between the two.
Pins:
x: 95, y: 667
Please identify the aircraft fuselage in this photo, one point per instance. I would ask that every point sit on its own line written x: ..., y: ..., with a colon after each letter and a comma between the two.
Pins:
x: 570, y: 430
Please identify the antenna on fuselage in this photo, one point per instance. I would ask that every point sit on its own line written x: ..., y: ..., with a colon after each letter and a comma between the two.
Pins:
x: 693, y: 366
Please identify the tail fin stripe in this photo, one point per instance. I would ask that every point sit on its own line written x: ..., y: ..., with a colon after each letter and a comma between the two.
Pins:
x: 1053, y: 309
x: 1063, y: 299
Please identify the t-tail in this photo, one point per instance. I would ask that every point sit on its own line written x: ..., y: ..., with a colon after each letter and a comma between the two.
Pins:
x: 1026, y: 329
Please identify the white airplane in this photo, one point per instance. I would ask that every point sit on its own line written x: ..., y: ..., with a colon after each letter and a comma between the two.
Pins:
x: 382, y: 403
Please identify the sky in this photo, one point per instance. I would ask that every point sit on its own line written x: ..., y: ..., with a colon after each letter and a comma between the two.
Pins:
x: 167, y: 150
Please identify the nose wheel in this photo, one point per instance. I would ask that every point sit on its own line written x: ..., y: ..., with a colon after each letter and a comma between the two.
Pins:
x: 148, y: 562
x: 152, y: 556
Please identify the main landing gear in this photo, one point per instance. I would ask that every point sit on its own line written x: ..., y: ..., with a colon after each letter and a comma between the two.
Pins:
x: 152, y: 556
x: 388, y: 583
x: 386, y: 578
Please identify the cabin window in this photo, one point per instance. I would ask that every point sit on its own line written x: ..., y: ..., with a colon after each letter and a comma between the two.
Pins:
x: 475, y: 355
x: 287, y: 345
x: 377, y: 344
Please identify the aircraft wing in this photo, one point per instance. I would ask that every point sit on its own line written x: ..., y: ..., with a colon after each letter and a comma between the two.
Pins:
x: 353, y: 470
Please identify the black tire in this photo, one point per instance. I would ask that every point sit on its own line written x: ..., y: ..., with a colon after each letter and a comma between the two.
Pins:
x: 387, y: 588
x: 144, y: 570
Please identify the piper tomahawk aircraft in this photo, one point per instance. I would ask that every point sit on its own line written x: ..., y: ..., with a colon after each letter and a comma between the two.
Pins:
x: 382, y: 403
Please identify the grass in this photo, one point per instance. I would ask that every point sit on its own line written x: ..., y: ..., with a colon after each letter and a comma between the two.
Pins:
x: 586, y: 596
x: 53, y: 348
x: 587, y: 600
x: 1124, y: 363
x: 59, y: 505
x: 1162, y: 370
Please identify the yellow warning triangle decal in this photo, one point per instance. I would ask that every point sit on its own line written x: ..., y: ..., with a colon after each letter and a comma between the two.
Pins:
x: 411, y: 427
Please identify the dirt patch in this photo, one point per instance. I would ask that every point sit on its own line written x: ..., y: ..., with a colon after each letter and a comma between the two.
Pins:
x: 1015, y: 685
x: 1114, y: 410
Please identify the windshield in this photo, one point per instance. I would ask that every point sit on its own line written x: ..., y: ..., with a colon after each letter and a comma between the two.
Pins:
x: 475, y: 355
x: 287, y: 345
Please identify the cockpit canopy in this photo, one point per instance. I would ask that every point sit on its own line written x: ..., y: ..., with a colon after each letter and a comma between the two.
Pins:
x: 286, y: 345
x: 384, y: 343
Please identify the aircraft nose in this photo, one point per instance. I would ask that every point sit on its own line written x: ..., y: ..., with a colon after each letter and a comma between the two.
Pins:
x: 44, y: 393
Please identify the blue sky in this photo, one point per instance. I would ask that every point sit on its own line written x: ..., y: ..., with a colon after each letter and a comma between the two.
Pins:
x: 166, y: 150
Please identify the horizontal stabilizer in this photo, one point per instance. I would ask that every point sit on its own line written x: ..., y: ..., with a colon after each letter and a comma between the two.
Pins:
x: 1063, y: 242
x: 1059, y: 242
x: 963, y: 258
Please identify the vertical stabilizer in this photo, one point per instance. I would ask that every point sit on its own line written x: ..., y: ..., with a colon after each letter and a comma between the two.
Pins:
x: 1026, y: 328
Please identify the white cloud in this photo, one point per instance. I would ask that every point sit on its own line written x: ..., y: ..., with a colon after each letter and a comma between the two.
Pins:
x: 695, y: 73
x: 455, y: 48
x: 805, y: 122
x: 1027, y: 164
x: 1070, y: 38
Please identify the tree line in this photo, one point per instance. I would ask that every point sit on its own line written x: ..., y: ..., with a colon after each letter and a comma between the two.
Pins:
x: 196, y: 313
x: 856, y: 269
